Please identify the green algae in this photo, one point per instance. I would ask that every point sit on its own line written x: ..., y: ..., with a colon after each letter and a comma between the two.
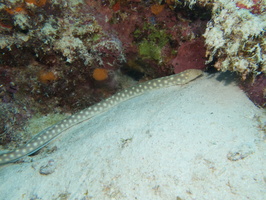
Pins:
x: 151, y: 40
x: 150, y: 50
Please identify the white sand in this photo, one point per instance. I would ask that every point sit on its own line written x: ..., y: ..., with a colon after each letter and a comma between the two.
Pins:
x: 198, y: 141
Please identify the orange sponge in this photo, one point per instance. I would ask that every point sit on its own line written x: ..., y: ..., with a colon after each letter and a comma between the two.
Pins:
x: 39, y: 3
x: 46, y: 77
x: 100, y: 74
x: 156, y: 9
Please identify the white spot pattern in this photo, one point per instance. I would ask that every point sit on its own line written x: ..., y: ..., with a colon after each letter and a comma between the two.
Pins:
x: 44, y: 137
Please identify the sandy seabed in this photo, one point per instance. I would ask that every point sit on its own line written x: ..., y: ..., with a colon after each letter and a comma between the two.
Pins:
x: 200, y: 141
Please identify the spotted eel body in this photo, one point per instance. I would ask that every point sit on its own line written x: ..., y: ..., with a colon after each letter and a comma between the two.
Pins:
x: 45, y: 136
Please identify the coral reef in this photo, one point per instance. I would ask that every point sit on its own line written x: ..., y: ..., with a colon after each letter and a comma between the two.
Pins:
x: 48, y: 54
x: 235, y: 36
x: 150, y: 32
x: 235, y: 40
x: 60, y: 56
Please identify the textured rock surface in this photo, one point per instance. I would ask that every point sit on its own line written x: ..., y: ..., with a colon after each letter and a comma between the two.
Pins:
x: 198, y: 141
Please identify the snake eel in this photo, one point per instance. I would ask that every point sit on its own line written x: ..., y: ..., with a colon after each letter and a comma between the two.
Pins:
x: 47, y: 135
